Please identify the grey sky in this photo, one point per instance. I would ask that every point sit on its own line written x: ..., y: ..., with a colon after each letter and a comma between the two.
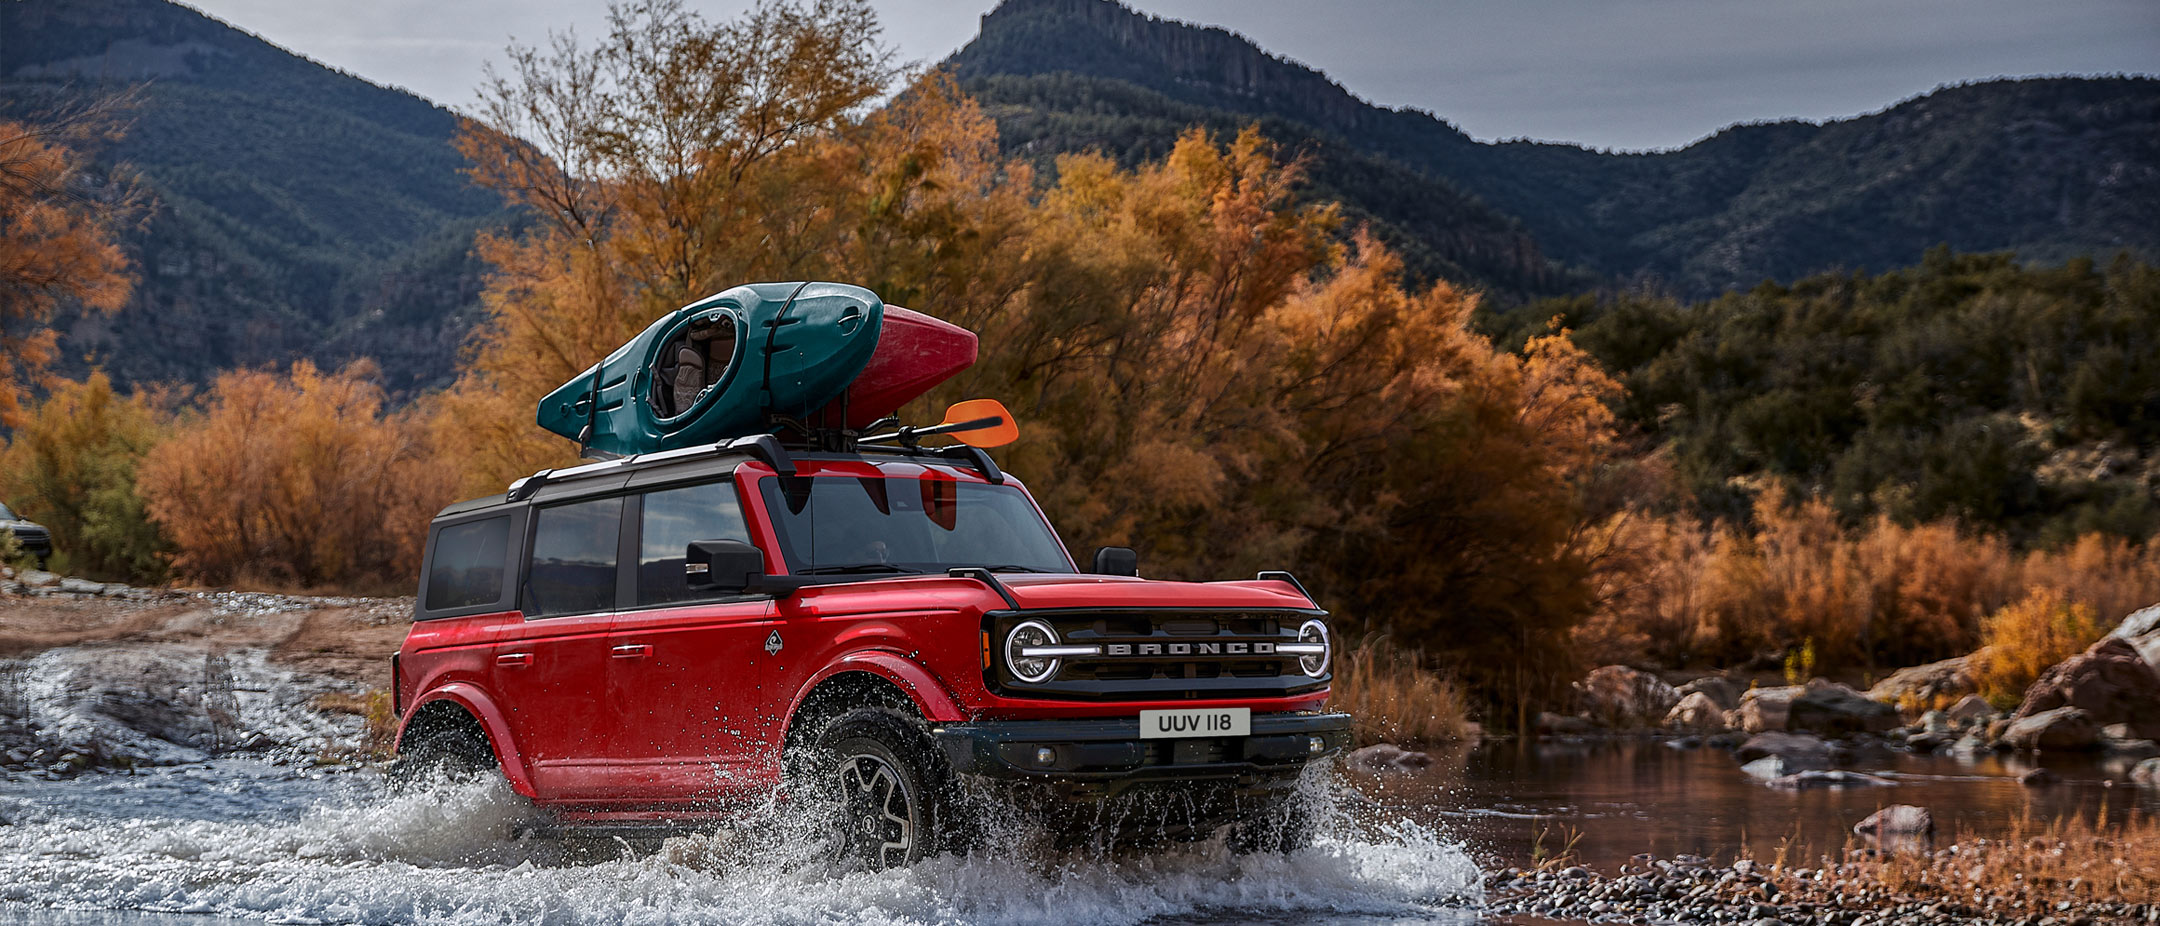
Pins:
x: 1605, y: 73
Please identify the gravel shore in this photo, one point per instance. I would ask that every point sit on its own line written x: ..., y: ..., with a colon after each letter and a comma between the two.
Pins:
x: 1692, y: 890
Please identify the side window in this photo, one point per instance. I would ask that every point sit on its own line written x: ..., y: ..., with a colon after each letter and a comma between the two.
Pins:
x: 573, y: 558
x: 674, y: 519
x: 468, y: 566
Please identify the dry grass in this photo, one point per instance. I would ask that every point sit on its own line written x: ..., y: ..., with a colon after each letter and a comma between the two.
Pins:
x: 1395, y: 697
x: 374, y: 707
x: 1884, y: 596
x: 2028, y: 870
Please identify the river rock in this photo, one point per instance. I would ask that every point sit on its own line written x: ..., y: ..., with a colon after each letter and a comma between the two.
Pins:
x: 1897, y: 820
x: 1562, y: 724
x: 38, y: 578
x: 1697, y: 712
x: 1795, y: 746
x: 2146, y: 773
x: 1721, y: 691
x: 2111, y: 682
x: 2142, y: 631
x: 1827, y: 778
x: 1769, y: 768
x: 1765, y: 710
x: 1925, y: 686
x: 1620, y: 697
x: 1387, y: 757
x: 2064, y: 729
x: 1971, y: 708
x: 75, y: 586
x: 1831, y: 709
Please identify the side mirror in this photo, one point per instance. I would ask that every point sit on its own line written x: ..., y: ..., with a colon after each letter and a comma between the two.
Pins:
x: 1116, y: 561
x: 732, y: 567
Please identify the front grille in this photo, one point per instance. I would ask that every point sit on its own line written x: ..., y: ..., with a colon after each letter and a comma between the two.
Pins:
x: 1157, y: 655
x: 31, y: 536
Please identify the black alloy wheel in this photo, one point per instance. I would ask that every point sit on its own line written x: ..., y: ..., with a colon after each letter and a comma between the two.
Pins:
x: 885, y: 788
x: 445, y: 753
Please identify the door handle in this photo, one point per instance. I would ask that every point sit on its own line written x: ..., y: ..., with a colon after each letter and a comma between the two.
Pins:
x: 632, y: 650
x: 514, y: 660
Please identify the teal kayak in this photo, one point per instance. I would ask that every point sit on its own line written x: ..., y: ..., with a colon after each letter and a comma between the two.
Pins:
x: 721, y: 367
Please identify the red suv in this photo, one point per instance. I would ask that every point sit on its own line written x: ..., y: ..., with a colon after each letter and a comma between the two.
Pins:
x: 638, y: 644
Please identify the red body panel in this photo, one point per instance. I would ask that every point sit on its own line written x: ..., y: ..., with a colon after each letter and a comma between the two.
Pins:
x: 624, y: 716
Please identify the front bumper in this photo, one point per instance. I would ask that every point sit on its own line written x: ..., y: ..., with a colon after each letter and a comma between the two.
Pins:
x: 1098, y: 758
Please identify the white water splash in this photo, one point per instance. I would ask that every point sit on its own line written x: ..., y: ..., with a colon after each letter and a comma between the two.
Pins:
x: 443, y: 856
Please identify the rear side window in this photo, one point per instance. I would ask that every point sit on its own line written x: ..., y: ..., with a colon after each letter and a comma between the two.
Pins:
x: 673, y: 520
x: 573, y: 558
x: 468, y: 566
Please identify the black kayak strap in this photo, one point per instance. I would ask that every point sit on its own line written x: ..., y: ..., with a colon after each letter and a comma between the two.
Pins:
x: 772, y: 332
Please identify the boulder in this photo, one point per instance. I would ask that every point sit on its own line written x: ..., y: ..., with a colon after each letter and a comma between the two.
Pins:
x: 75, y: 586
x: 1897, y: 820
x: 1387, y: 757
x: 1765, y: 710
x: 2146, y: 773
x: 1832, y: 709
x: 1697, y: 712
x: 37, y: 578
x: 1922, y: 687
x: 1794, y: 746
x: 1769, y: 768
x: 2120, y: 739
x: 1936, y: 722
x: 2110, y: 682
x: 1563, y: 724
x: 2064, y: 729
x: 1722, y: 691
x: 2142, y: 631
x: 1971, y: 708
x: 1624, y: 698
x: 1832, y: 778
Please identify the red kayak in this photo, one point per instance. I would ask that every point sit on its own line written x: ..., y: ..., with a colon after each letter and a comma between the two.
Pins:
x: 914, y: 353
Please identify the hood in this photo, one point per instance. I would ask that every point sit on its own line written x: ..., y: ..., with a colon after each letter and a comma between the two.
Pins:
x: 1093, y: 591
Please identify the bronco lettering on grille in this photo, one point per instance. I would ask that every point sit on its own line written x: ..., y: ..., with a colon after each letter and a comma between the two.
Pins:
x: 1157, y: 650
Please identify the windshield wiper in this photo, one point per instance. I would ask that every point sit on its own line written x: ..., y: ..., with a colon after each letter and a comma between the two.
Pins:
x: 1014, y: 567
x: 854, y: 569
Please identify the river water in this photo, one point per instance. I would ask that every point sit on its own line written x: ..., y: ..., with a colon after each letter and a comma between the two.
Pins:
x: 249, y: 841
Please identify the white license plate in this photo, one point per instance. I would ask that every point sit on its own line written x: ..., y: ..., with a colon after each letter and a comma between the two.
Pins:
x: 1196, y: 721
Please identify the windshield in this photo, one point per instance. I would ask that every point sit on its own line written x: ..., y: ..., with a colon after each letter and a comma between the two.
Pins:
x: 845, y: 524
x: 6, y: 515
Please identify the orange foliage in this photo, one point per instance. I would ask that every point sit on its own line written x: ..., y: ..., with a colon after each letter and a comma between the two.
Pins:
x: 58, y: 222
x: 1884, y: 596
x: 300, y: 479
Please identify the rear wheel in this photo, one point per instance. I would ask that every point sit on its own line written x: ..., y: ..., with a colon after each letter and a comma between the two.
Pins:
x: 442, y: 753
x: 884, y: 790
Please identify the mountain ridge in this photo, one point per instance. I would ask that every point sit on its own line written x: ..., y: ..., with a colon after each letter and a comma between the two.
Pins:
x: 1576, y: 202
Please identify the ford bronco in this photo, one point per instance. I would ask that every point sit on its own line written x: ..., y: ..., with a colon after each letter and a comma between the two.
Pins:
x: 650, y: 642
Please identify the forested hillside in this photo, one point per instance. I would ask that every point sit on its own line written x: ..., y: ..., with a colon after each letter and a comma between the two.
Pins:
x: 299, y: 211
x: 2049, y: 168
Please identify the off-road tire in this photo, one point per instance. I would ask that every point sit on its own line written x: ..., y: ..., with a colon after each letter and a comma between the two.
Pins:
x: 889, y: 792
x: 446, y: 753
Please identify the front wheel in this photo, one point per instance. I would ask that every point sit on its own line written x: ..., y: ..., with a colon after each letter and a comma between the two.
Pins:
x: 886, y: 792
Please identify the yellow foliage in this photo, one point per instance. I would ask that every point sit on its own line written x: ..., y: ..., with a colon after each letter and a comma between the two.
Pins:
x: 2028, y: 637
x: 71, y: 465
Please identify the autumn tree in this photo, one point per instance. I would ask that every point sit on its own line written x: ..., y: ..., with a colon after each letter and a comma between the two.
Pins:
x: 301, y: 479
x: 59, y: 224
x: 1208, y: 368
x: 70, y: 464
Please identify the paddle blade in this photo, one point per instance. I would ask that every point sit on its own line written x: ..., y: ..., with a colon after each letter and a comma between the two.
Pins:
x: 1003, y: 432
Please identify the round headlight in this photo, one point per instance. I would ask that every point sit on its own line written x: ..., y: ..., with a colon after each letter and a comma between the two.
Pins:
x: 1030, y: 668
x: 1315, y: 632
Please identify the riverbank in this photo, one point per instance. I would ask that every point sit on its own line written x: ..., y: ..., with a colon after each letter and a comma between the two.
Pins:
x: 2068, y: 873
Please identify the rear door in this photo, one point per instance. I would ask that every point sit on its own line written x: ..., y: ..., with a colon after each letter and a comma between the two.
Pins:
x: 683, y: 666
x: 551, y: 674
